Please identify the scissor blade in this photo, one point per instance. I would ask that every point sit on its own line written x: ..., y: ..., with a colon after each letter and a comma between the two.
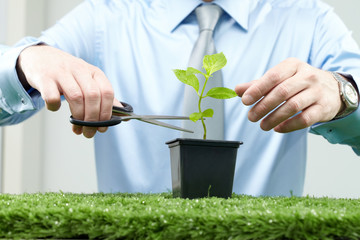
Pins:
x: 162, y: 124
x: 150, y: 117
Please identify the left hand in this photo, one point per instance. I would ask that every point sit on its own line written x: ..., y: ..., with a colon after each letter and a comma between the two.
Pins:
x: 291, y: 96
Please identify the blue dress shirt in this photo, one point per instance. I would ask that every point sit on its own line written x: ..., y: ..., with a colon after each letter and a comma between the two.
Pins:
x: 138, y: 43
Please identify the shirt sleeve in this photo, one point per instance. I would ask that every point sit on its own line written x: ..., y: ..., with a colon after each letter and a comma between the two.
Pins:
x: 15, y: 103
x: 74, y: 34
x: 334, y: 49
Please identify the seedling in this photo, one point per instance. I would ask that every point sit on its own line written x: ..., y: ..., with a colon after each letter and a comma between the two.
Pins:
x: 211, y: 64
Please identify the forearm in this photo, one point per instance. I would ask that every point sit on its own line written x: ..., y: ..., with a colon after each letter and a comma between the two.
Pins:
x: 15, y: 103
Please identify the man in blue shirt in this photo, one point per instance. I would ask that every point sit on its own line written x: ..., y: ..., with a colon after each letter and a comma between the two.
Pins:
x: 279, y: 57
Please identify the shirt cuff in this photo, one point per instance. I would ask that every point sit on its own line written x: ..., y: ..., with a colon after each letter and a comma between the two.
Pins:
x: 342, y: 131
x: 13, y: 97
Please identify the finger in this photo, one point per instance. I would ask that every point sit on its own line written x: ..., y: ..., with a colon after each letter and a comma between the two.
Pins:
x: 282, y: 92
x: 117, y: 103
x: 51, y: 95
x: 241, y: 88
x: 102, y: 129
x: 288, y: 109
x: 107, y: 98
x: 78, y: 130
x: 91, y: 98
x: 303, y: 120
x: 271, y: 78
x: 74, y: 96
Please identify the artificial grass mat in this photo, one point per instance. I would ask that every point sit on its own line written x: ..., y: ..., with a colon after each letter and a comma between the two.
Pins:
x: 160, y: 216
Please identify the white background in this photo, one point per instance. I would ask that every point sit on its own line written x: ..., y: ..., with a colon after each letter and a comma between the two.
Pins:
x: 42, y: 154
x: 2, y: 40
x: 2, y: 21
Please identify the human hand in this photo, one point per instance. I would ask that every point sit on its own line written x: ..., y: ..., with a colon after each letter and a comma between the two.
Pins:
x: 54, y: 73
x: 291, y: 96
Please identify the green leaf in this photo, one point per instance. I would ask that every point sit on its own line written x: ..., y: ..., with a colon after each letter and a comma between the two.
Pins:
x: 221, y: 93
x: 189, y: 79
x: 208, y: 113
x: 213, y: 63
x: 191, y: 70
x: 195, y: 116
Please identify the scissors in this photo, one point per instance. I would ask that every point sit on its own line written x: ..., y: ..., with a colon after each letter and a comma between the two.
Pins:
x: 127, y: 113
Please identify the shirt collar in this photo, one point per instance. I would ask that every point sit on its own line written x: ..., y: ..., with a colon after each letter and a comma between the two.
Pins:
x: 178, y: 10
x: 239, y: 10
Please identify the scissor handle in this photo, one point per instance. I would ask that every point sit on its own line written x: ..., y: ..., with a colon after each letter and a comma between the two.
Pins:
x: 126, y: 108
x: 114, y: 120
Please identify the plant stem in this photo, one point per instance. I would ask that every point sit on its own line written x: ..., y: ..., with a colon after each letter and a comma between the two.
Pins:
x: 202, y: 119
x: 204, y: 126
x: 199, y: 105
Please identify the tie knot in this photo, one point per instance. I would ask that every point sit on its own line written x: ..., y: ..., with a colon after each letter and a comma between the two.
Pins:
x: 208, y: 16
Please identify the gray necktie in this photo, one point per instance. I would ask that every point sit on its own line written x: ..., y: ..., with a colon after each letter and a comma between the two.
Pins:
x: 207, y: 16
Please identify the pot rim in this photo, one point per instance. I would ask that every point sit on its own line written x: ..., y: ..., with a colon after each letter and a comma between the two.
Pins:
x: 203, y: 142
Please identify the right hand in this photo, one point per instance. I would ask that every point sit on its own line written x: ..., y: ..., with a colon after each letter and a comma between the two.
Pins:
x: 54, y: 73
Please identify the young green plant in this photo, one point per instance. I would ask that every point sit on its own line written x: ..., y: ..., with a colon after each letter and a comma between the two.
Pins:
x: 211, y: 64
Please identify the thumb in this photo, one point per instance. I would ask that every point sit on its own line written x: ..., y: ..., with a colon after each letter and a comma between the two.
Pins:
x: 117, y: 103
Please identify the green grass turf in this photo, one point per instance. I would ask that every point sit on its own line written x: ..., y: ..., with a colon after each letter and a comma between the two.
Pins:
x: 159, y: 216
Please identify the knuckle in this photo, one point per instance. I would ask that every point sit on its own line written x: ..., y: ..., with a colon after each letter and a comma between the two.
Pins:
x: 305, y: 119
x: 257, y: 111
x: 260, y: 108
x: 294, y: 105
x: 79, y: 66
x: 63, y: 66
x: 75, y: 65
x: 257, y: 90
x: 312, y: 76
x: 282, y: 91
x: 108, y: 93
x: 75, y: 96
x: 80, y: 69
x: 273, y: 76
x: 93, y: 94
x: 293, y: 60
x: 96, y: 72
x: 95, y: 69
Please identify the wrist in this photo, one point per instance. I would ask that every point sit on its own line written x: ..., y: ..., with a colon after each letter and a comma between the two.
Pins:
x: 348, y: 95
x: 22, y: 77
x: 19, y: 70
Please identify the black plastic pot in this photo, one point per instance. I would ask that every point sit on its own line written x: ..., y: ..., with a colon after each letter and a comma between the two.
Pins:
x: 202, y: 168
